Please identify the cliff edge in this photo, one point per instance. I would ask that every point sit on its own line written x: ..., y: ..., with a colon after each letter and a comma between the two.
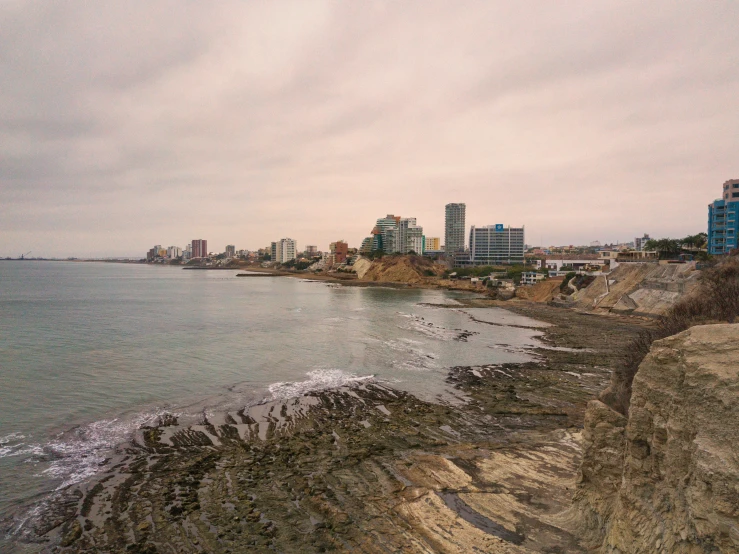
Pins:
x: 667, y: 479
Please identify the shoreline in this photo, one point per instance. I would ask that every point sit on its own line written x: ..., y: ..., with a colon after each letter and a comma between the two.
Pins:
x: 347, y: 430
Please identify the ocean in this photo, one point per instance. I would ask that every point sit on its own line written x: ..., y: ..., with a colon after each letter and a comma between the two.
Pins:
x: 91, y: 351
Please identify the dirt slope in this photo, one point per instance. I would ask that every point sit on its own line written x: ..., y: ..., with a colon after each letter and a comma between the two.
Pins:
x: 403, y: 269
x: 542, y: 291
x: 639, y: 289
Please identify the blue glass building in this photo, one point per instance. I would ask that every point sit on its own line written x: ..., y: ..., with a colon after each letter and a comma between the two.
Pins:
x: 723, y: 220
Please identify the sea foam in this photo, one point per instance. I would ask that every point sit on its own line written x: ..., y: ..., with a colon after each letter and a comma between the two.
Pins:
x: 318, y: 380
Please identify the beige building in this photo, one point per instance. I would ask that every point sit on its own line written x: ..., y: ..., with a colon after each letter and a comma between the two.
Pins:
x: 433, y: 243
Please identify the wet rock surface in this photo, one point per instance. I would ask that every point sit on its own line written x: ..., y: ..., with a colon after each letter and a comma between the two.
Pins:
x: 363, y: 468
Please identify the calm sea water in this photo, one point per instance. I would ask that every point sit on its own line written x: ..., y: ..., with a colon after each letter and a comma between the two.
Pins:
x: 90, y: 351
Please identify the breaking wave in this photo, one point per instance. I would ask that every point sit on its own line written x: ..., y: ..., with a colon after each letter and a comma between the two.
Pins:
x: 318, y: 380
x: 75, y: 455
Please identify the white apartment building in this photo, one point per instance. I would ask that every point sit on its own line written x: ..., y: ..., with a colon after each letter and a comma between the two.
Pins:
x: 410, y: 236
x: 283, y: 250
x: 174, y: 251
x: 398, y: 235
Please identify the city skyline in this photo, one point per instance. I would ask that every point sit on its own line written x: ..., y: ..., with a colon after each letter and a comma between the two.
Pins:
x: 244, y: 121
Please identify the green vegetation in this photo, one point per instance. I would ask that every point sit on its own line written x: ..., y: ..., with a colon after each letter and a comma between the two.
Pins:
x: 299, y: 265
x: 564, y: 286
x: 511, y: 271
x: 671, y: 248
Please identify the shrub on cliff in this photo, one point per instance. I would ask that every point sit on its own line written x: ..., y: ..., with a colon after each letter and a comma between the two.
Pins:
x: 564, y: 286
x: 716, y: 300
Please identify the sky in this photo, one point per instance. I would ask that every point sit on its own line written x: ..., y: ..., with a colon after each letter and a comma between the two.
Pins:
x: 129, y: 124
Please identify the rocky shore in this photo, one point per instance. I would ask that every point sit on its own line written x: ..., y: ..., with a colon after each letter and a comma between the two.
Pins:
x: 364, y: 468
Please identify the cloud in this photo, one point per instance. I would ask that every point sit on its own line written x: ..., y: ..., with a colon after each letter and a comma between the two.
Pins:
x: 124, y: 125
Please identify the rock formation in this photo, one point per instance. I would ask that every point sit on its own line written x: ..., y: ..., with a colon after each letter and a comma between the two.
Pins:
x: 678, y: 452
x: 402, y: 269
x: 646, y: 289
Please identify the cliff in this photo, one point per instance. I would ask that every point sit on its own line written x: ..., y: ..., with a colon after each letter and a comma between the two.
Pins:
x: 667, y: 479
x: 648, y: 289
x: 402, y: 269
x: 543, y: 291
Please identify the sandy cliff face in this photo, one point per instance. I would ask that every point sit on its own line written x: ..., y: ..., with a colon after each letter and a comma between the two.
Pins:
x: 679, y: 452
x: 648, y: 289
x: 402, y: 269
x: 599, y: 478
x: 361, y: 267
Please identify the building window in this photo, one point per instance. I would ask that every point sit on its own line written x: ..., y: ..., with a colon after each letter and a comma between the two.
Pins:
x: 735, y: 194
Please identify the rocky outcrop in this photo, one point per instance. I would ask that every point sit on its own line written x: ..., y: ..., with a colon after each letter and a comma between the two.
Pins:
x: 678, y: 453
x: 599, y: 478
x: 402, y: 269
x: 361, y: 267
x: 645, y: 289
x: 543, y: 291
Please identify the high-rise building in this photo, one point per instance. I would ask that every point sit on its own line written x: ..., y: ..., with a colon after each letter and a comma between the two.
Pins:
x: 380, y: 238
x: 366, y: 247
x: 394, y: 234
x: 409, y: 236
x: 496, y: 244
x: 311, y: 250
x: 639, y: 242
x: 454, y: 229
x: 339, y: 251
x: 174, y: 252
x: 283, y: 250
x: 199, y: 248
x: 723, y: 220
x: 154, y: 253
x: 230, y: 250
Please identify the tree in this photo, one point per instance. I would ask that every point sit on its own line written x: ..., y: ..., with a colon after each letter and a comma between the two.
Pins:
x: 696, y: 241
x: 667, y: 248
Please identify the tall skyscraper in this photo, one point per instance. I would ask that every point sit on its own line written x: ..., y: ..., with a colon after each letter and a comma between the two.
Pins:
x: 454, y: 229
x: 199, y: 248
x: 723, y: 220
x: 230, y: 250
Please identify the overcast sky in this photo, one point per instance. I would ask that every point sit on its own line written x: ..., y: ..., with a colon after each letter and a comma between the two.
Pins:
x: 127, y: 124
